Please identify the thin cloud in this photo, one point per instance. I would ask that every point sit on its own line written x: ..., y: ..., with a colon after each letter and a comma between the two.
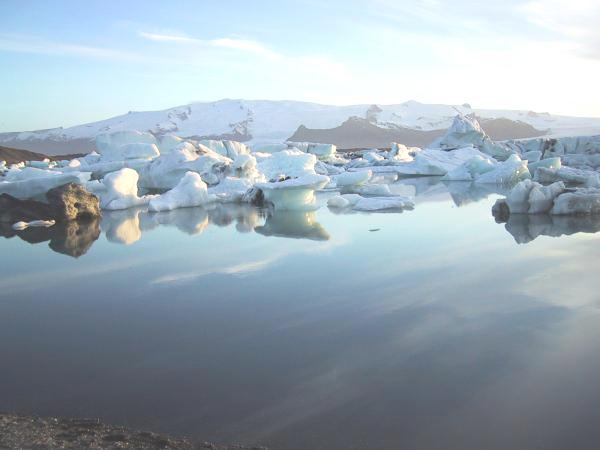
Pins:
x: 243, y: 45
x: 574, y: 20
x: 32, y: 44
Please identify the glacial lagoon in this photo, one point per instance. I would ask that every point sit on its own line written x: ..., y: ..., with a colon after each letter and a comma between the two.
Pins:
x: 430, y: 328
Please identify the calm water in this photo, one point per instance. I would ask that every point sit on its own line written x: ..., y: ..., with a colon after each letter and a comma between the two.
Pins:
x: 431, y: 328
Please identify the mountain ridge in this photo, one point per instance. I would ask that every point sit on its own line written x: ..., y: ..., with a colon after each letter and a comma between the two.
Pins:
x: 269, y: 121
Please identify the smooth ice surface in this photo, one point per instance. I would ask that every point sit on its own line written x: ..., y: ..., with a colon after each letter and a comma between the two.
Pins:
x: 235, y: 324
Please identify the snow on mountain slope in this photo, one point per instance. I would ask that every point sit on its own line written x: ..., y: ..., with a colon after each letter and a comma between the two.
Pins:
x: 263, y: 121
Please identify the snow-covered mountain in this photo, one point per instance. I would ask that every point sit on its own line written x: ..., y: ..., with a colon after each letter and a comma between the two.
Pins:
x: 262, y: 121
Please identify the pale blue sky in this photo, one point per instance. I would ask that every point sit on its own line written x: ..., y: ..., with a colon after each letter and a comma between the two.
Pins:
x: 69, y: 62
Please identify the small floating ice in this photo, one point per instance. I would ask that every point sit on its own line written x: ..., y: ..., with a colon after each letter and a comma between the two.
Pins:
x: 34, y: 223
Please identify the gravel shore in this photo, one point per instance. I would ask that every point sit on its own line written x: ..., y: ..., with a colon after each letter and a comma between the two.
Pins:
x: 30, y: 432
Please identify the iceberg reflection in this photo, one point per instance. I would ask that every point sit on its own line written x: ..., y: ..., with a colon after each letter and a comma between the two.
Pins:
x: 527, y: 227
x: 293, y: 224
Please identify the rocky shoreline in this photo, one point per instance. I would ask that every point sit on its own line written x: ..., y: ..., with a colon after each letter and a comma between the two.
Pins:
x: 31, y: 432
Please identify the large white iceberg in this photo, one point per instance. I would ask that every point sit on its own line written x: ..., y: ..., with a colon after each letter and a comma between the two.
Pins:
x: 121, y: 190
x: 130, y: 144
x: 166, y: 171
x: 287, y: 163
x: 465, y: 130
x: 190, y: 191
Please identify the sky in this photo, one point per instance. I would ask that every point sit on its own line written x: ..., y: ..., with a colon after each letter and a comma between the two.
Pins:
x: 66, y: 62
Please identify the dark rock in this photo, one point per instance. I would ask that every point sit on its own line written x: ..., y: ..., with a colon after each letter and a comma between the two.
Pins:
x: 68, y: 202
x: 73, y: 201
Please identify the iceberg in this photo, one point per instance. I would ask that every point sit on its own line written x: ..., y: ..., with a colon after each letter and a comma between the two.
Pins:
x: 293, y: 193
x: 231, y: 189
x: 383, y: 203
x: 373, y: 190
x: 168, y: 142
x: 569, y: 175
x: 30, y: 182
x: 360, y: 203
x: 464, y: 131
x: 430, y: 162
x: 129, y: 144
x: 530, y: 197
x: 190, y: 191
x: 470, y: 170
x: 507, y: 173
x: 581, y: 201
x: 402, y: 153
x: 343, y: 201
x: 548, y: 163
x: 352, y: 178
x: 166, y: 171
x: 287, y: 163
x: 121, y: 190
x: 229, y: 149
x: 321, y: 151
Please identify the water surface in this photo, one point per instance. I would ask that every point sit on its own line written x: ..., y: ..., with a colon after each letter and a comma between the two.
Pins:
x: 431, y: 328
